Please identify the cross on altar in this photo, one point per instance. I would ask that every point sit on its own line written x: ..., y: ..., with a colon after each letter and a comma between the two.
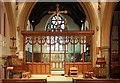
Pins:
x: 13, y: 40
x: 57, y: 12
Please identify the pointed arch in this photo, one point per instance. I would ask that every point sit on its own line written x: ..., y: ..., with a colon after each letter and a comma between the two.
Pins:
x: 53, y: 22
x: 26, y: 9
x: 10, y: 16
x: 105, y: 32
x: 106, y: 24
x: 22, y: 21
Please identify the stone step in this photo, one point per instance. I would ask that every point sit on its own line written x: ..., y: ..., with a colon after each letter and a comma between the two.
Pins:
x: 57, y: 73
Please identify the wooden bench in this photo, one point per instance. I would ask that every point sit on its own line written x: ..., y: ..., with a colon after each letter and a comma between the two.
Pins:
x: 76, y: 80
x: 24, y: 81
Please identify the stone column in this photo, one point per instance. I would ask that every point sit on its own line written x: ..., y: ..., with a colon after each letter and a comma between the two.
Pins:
x: 106, y: 53
x: 13, y: 50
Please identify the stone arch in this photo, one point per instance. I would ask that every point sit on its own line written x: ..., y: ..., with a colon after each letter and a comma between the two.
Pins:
x: 10, y: 15
x: 27, y: 7
x: 87, y: 6
x: 9, y: 12
x: 105, y: 32
x: 93, y: 23
x: 106, y: 29
x: 22, y: 21
x: 90, y: 13
x: 106, y: 24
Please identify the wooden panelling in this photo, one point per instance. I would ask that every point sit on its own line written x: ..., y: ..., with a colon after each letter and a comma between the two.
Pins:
x: 75, y: 80
x: 85, y: 68
x: 67, y: 69
x: 81, y: 67
x: 30, y: 68
x: 48, y: 69
x: 39, y: 68
x: 43, y: 69
x: 24, y: 81
x: 34, y: 68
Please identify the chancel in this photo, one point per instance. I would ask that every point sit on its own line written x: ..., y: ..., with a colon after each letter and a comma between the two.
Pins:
x: 64, y: 42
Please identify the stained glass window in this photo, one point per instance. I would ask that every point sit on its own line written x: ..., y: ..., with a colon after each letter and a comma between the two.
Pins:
x: 53, y: 24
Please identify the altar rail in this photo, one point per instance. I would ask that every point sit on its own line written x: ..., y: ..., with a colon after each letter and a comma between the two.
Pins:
x: 76, y: 80
x: 39, y: 68
x: 81, y: 67
x: 24, y: 81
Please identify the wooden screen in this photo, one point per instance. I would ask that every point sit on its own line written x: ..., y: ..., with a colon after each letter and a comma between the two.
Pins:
x: 41, y: 57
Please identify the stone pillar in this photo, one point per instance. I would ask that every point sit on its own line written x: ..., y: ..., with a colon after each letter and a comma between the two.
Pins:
x: 13, y: 50
x: 106, y: 53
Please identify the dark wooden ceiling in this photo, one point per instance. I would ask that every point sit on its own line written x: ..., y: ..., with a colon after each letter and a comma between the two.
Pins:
x: 41, y: 9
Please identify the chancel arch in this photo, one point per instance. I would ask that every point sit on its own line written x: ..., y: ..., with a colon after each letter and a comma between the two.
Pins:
x: 73, y: 46
x: 23, y: 16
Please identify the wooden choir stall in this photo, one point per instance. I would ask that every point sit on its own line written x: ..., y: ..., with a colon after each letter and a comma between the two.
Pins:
x: 14, y: 67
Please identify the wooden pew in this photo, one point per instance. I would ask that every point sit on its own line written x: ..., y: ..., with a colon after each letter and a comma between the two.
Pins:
x: 14, y: 66
x: 24, y: 81
x: 76, y: 80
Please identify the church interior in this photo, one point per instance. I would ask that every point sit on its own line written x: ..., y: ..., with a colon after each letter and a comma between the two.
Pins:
x: 61, y: 42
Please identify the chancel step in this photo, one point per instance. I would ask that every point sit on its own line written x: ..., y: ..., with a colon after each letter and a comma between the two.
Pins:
x: 57, y: 73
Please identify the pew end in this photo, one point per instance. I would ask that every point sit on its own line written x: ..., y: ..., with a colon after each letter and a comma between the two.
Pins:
x: 24, y: 81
